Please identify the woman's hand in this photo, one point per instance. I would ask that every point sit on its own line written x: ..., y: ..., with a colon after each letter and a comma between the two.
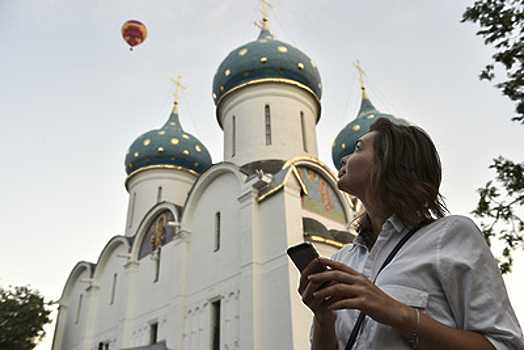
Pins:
x: 349, y: 289
x: 307, y: 289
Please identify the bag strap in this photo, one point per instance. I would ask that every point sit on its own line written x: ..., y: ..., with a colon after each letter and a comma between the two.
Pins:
x: 360, y: 319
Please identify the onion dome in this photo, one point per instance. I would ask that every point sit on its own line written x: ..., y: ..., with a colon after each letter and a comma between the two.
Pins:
x: 168, y: 147
x: 266, y: 60
x: 347, y: 138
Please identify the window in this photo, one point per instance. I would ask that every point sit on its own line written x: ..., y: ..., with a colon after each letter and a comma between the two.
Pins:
x: 132, y: 210
x: 103, y: 346
x: 268, y: 126
x: 217, y: 231
x: 153, y: 333
x: 112, y: 300
x: 159, y: 194
x: 303, y: 125
x: 79, y: 308
x: 215, y: 325
x: 233, y: 136
x: 156, y: 256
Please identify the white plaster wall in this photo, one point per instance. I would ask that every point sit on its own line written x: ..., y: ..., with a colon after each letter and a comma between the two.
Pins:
x: 143, y: 190
x: 74, y: 332
x: 107, y: 316
x: 248, y: 106
x: 212, y: 274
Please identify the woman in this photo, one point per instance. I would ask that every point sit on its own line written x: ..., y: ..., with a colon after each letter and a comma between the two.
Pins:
x: 442, y: 290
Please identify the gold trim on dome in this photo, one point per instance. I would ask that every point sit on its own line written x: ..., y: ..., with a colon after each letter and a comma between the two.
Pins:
x: 313, y: 64
x: 242, y: 52
x: 174, y: 141
x: 246, y: 73
x: 222, y: 89
x: 186, y: 152
x: 185, y: 136
x: 147, y: 142
x: 300, y: 66
x: 214, y: 96
x: 159, y: 166
x: 227, y: 72
x: 343, y: 145
x: 195, y: 164
x: 128, y: 151
x: 269, y: 80
x: 198, y: 148
x: 282, y: 49
x: 356, y: 127
x: 320, y: 86
x: 263, y: 60
x: 262, y: 41
x: 371, y: 116
x: 162, y: 132
x: 160, y: 149
x: 137, y: 154
x: 332, y: 242
x: 172, y: 123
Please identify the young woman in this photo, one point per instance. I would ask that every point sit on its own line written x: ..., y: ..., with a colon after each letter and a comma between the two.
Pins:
x: 442, y: 290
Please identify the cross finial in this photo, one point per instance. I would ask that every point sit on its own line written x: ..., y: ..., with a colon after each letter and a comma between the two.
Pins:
x: 263, y: 23
x: 177, y: 91
x: 361, y: 74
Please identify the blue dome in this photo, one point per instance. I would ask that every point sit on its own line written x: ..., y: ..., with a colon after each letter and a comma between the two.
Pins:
x: 347, y: 138
x: 266, y: 60
x: 168, y: 146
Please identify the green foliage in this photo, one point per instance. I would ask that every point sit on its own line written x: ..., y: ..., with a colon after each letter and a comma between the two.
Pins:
x: 502, y: 25
x: 23, y: 314
x: 502, y: 199
x: 501, y: 208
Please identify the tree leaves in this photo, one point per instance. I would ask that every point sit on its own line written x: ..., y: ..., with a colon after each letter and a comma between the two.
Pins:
x: 502, y: 25
x: 23, y: 314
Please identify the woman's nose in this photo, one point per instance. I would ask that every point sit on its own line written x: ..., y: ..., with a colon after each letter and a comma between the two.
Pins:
x: 345, y: 159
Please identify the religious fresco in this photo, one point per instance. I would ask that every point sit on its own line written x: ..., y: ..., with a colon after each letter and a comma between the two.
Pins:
x: 321, y: 197
x: 158, y: 234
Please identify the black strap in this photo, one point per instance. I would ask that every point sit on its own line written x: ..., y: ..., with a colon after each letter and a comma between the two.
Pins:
x: 360, y: 319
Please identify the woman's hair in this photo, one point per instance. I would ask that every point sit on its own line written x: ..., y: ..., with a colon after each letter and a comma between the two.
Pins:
x: 406, y: 174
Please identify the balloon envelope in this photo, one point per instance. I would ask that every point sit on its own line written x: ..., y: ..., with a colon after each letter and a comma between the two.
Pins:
x: 134, y: 32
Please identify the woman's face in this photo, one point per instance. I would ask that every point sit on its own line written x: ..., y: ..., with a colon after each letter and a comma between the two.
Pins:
x: 355, y: 175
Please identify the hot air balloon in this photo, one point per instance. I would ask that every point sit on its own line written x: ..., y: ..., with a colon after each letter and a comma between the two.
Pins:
x: 134, y: 33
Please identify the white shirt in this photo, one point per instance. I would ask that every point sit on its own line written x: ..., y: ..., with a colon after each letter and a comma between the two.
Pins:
x: 445, y: 270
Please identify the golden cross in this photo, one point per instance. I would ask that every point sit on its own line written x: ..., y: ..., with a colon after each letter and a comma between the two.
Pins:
x: 361, y: 74
x: 263, y: 23
x: 178, y: 86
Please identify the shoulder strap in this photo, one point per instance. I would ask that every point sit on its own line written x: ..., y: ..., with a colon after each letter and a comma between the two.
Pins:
x: 360, y: 319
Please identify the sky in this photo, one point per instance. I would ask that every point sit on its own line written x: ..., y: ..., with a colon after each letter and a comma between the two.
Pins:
x: 73, y: 98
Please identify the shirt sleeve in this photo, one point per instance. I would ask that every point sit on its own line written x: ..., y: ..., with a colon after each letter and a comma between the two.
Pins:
x: 473, y: 285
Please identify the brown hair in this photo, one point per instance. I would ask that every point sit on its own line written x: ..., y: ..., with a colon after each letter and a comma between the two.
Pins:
x: 406, y: 174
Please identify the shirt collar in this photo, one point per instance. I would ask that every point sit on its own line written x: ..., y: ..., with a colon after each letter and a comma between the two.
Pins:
x: 393, y: 222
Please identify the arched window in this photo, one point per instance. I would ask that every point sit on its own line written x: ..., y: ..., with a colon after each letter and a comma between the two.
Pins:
x: 233, y: 136
x: 217, y: 231
x: 268, y: 125
x: 303, y: 126
x: 113, y: 290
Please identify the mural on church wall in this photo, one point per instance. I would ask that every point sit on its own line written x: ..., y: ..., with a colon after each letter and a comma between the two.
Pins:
x: 321, y: 197
x: 158, y: 234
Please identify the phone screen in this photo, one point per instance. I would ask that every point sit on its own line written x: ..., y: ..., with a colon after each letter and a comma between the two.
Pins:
x: 302, y: 254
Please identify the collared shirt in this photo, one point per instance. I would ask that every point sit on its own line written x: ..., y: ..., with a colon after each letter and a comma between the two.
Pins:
x: 445, y: 270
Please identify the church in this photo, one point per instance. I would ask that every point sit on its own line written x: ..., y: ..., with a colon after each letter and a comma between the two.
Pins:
x: 202, y: 262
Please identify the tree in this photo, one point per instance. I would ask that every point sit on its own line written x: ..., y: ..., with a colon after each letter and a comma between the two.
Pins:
x: 502, y: 199
x: 23, y: 314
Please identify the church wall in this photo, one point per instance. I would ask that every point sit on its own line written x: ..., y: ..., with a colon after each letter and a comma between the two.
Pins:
x: 77, y: 309
x: 143, y: 191
x: 108, y: 307
x: 213, y: 274
x: 286, y: 102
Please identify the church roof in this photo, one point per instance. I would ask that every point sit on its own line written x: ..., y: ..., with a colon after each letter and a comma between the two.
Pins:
x: 347, y: 138
x: 266, y: 60
x: 168, y: 146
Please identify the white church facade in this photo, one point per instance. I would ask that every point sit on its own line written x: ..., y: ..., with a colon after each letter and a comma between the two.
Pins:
x: 202, y: 263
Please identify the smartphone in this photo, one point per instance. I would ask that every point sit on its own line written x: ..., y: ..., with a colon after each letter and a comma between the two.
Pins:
x: 302, y: 254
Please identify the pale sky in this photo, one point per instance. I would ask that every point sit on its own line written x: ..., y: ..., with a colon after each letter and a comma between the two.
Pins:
x: 73, y: 98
